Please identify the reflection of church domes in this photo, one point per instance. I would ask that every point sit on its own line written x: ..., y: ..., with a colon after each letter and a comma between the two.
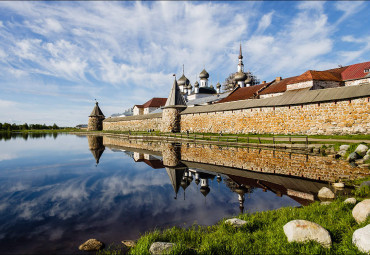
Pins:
x: 219, y: 179
x: 241, y: 190
x: 205, y: 190
x: 197, y: 181
x: 218, y: 85
x: 184, y: 183
x: 203, y: 74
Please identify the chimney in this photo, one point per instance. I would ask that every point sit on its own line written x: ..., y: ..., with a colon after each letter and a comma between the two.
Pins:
x: 278, y: 79
x: 263, y: 82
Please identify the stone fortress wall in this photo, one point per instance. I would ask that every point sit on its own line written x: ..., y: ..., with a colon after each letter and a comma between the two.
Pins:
x: 343, y: 117
x: 344, y: 110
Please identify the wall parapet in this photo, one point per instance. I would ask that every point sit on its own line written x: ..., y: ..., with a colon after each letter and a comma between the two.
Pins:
x: 135, y: 117
x: 289, y: 98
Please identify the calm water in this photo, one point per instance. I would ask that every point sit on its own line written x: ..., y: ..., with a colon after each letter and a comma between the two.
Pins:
x: 54, y: 195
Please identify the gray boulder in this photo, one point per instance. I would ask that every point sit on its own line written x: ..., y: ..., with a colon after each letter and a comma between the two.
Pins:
x: 304, y: 231
x: 361, y: 150
x: 350, y: 200
x: 91, y: 245
x: 366, y: 157
x: 236, y: 222
x: 344, y: 147
x: 338, y: 185
x: 361, y: 211
x: 365, y: 183
x: 361, y: 239
x: 353, y: 156
x: 368, y: 152
x: 159, y: 248
x: 325, y: 193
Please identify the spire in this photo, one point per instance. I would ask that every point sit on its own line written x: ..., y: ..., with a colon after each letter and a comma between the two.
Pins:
x: 175, y: 98
x: 183, y: 72
x: 240, y: 52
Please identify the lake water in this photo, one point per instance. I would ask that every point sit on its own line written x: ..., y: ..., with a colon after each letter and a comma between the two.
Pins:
x: 57, y: 191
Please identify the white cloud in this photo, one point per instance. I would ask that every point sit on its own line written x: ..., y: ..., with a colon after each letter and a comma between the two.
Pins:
x: 265, y: 22
x: 348, y: 8
x: 7, y: 104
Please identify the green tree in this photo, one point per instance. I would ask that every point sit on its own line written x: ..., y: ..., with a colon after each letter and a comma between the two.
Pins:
x: 55, y: 126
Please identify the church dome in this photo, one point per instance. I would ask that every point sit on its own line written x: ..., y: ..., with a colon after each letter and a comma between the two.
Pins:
x: 196, y: 85
x: 190, y: 87
x: 248, y: 80
x: 183, y: 81
x: 218, y: 85
x: 203, y: 74
x: 240, y: 76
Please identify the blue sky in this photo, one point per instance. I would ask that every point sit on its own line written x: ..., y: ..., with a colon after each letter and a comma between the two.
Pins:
x: 57, y: 57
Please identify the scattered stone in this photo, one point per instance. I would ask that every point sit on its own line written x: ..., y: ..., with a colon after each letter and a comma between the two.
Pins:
x: 325, y: 193
x: 350, y: 200
x: 129, y: 243
x: 361, y: 150
x: 353, y: 156
x: 361, y: 211
x: 344, y: 147
x: 364, y: 165
x: 338, y: 185
x: 325, y: 203
x: 365, y: 183
x: 236, y: 222
x: 304, y: 231
x: 158, y: 248
x: 366, y: 157
x: 368, y: 152
x: 91, y: 245
x: 361, y: 239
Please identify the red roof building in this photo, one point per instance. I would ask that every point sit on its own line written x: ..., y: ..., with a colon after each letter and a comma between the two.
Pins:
x: 245, y: 93
x: 149, y: 106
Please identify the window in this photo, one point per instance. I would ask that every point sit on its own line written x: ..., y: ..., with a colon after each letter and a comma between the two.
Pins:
x: 367, y: 70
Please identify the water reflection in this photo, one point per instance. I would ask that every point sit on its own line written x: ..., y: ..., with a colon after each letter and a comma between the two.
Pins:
x: 60, y: 191
x: 25, y: 135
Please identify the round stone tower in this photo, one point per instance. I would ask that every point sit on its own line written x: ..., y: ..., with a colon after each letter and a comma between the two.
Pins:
x: 171, y: 111
x: 96, y: 119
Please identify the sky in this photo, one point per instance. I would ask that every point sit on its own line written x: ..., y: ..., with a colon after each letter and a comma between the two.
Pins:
x: 56, y: 57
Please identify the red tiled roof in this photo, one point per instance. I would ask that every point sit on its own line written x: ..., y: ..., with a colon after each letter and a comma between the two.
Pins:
x: 244, y: 93
x: 277, y: 86
x: 317, y: 75
x: 155, y: 102
x: 139, y: 105
x: 355, y: 71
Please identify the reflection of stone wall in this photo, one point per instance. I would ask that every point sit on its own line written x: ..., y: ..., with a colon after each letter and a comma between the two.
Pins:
x: 137, y: 144
x: 343, y: 117
x: 268, y: 161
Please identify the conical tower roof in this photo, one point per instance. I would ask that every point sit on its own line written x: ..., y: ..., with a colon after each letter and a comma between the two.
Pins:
x: 97, y: 153
x: 175, y: 98
x: 175, y: 177
x: 96, y: 111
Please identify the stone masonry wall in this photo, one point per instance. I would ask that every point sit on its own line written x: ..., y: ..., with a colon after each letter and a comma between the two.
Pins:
x: 342, y: 117
x: 134, y: 125
x: 357, y: 82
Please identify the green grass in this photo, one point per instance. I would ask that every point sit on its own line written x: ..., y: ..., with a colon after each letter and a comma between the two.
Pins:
x: 263, y: 234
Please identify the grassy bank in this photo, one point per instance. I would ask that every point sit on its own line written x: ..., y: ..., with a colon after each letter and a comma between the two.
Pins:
x: 263, y: 233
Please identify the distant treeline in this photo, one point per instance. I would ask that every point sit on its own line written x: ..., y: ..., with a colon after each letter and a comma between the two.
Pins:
x: 25, y: 126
